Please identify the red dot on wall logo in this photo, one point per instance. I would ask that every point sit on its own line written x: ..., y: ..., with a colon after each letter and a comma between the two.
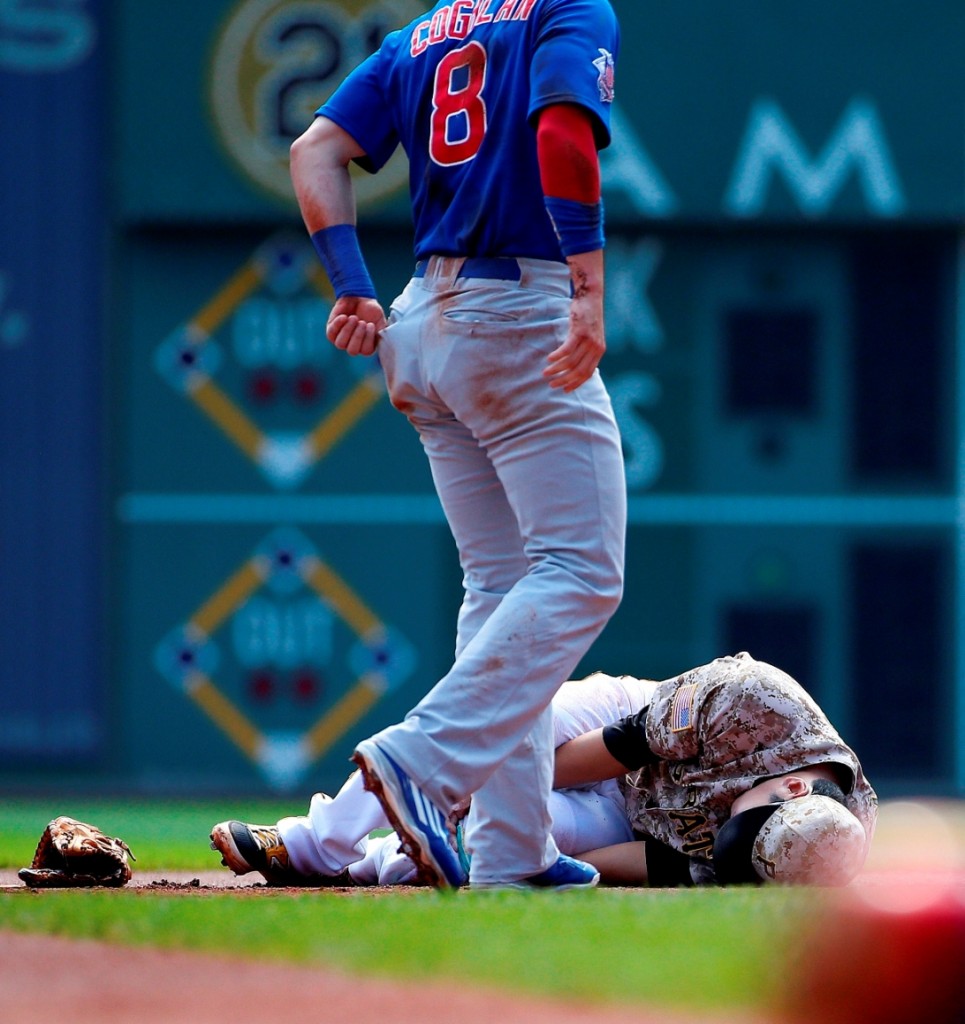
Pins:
x: 274, y: 63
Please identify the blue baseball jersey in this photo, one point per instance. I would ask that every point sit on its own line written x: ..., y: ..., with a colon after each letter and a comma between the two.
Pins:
x: 461, y: 88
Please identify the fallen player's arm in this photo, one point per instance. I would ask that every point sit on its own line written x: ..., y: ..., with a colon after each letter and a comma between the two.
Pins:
x: 623, y: 864
x: 584, y: 760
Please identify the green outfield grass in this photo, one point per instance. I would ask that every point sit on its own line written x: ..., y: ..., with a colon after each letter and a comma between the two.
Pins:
x: 693, y: 950
x: 168, y: 835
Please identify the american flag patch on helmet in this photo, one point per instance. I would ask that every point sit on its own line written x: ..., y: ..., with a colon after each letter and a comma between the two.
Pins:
x: 682, y: 712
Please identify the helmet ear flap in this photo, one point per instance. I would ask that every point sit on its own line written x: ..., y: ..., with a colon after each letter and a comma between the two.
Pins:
x: 734, y: 846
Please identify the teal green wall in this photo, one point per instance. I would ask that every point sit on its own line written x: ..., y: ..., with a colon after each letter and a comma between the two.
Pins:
x: 794, y: 166
x: 758, y: 147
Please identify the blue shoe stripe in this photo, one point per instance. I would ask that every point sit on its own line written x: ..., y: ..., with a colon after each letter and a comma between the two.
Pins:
x: 425, y: 823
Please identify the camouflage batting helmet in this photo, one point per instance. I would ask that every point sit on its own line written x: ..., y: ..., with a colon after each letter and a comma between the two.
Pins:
x: 812, y: 840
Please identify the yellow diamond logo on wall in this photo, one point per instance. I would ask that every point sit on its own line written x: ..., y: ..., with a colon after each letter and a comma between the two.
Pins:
x: 270, y: 319
x: 275, y: 62
x: 285, y: 573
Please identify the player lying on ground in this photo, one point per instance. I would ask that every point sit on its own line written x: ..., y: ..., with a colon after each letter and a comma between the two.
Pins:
x: 726, y: 774
x: 731, y: 774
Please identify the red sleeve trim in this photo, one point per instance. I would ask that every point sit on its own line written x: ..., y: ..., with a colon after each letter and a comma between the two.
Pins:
x: 568, y: 163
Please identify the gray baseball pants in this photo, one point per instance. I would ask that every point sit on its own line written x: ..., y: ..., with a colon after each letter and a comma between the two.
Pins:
x: 531, y: 480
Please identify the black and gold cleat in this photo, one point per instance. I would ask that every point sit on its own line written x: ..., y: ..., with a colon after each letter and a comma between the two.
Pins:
x: 245, y: 848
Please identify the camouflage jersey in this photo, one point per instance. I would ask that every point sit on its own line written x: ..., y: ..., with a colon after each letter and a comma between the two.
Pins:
x: 719, y: 729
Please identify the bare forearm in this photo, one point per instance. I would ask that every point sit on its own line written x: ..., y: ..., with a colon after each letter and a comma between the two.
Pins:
x: 585, y: 760
x: 574, y: 361
x: 624, y: 864
x: 319, y: 166
x: 586, y: 311
x: 586, y: 270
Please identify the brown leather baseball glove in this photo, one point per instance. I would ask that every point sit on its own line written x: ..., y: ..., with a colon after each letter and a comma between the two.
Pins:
x: 73, y: 854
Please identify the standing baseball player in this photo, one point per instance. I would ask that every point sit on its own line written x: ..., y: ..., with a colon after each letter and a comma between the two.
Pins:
x: 491, y: 352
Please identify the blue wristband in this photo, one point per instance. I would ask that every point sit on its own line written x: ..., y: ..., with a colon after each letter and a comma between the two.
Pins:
x: 578, y: 226
x: 338, y: 249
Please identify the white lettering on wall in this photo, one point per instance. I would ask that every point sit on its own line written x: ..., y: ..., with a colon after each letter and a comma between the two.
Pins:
x: 45, y: 35
x: 771, y: 147
x: 626, y: 167
x: 643, y: 449
x: 631, y: 319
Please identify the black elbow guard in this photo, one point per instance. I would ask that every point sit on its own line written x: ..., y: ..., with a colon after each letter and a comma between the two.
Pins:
x: 626, y: 741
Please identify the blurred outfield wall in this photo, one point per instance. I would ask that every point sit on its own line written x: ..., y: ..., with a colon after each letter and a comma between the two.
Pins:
x: 221, y: 558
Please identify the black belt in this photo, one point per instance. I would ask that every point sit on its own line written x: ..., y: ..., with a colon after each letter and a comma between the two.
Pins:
x: 493, y: 268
